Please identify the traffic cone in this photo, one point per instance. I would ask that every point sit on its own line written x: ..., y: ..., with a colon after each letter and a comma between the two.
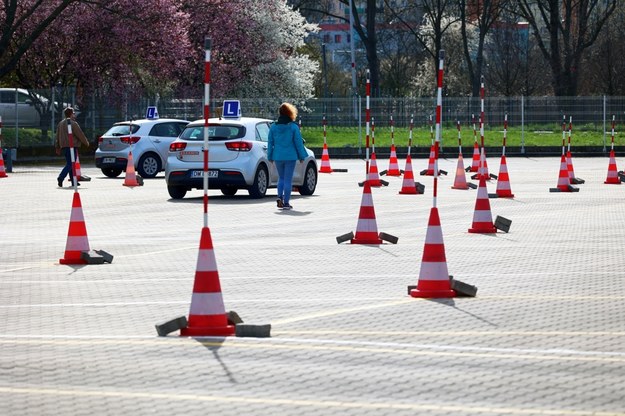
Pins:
x: 373, y: 177
x: 325, y: 160
x: 482, y: 217
x: 460, y: 182
x: 483, y: 170
x: 393, y: 167
x: 131, y: 175
x: 563, y: 177
x: 367, y: 227
x: 408, y: 185
x: 476, y: 158
x: 3, y: 173
x: 613, y: 178
x: 433, y: 277
x: 503, y: 180
x: 207, y: 314
x: 77, y: 240
x: 569, y: 167
x: 430, y: 170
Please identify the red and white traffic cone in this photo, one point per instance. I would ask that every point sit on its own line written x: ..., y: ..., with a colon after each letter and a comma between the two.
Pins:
x: 373, y: 177
x: 77, y: 240
x: 475, y: 165
x: 325, y: 160
x: 430, y: 170
x: 393, y: 167
x: 433, y: 276
x: 503, y: 181
x: 131, y: 175
x: 460, y: 181
x: 482, y: 217
x: 367, y: 227
x: 563, y: 176
x: 3, y: 173
x: 612, y: 178
x: 408, y: 184
x: 207, y: 314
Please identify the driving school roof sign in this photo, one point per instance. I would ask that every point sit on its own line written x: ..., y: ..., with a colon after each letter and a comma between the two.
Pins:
x: 151, y: 113
x: 231, y: 109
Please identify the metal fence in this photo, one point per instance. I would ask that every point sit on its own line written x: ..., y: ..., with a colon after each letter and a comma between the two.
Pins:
x: 98, y: 112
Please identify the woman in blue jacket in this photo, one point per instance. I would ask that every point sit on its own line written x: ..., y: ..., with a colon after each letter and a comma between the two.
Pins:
x: 285, y: 148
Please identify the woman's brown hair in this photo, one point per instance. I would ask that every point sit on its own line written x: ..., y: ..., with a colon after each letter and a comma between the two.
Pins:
x: 289, y: 110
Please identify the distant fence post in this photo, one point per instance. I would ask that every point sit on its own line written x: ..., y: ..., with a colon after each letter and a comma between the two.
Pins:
x: 604, y: 115
x: 522, y: 124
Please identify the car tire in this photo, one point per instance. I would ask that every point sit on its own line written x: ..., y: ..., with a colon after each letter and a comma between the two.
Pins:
x: 261, y: 182
x: 149, y: 165
x: 310, y: 180
x: 176, y: 192
x: 111, y: 172
x: 229, y: 191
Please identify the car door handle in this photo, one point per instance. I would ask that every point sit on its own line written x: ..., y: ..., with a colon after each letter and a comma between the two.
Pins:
x: 157, y: 141
x: 264, y: 147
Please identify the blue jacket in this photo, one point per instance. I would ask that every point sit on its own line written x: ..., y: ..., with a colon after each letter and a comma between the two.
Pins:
x: 285, y: 142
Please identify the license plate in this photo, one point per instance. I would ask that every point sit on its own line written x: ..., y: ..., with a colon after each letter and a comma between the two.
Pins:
x: 200, y: 173
x: 108, y: 160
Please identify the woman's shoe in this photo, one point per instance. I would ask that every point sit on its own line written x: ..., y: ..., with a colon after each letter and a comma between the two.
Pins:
x: 279, y: 203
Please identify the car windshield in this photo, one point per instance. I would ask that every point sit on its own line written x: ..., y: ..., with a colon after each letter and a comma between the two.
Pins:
x: 215, y: 132
x: 122, y: 130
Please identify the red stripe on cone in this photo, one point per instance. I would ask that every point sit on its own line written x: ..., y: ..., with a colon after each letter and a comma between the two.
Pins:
x: 77, y: 240
x: 367, y: 228
x: 325, y: 160
x: 612, y: 178
x: 460, y: 181
x: 393, y: 167
x: 482, y: 217
x: 408, y: 185
x: 207, y: 314
x: 131, y: 175
x: 433, y: 275
x: 503, y: 180
x: 373, y: 178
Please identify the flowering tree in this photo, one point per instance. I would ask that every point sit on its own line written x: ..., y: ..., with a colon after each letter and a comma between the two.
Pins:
x: 255, y: 48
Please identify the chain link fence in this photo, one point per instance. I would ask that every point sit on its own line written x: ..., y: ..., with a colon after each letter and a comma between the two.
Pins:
x: 29, y: 117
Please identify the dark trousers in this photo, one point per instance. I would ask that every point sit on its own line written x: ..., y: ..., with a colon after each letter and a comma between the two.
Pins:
x: 67, y: 169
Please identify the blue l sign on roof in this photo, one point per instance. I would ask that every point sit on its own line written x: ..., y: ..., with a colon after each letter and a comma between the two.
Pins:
x: 232, y: 109
x: 151, y: 113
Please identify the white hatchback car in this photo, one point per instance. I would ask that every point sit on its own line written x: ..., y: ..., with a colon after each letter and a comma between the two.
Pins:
x: 237, y: 159
x: 149, y: 139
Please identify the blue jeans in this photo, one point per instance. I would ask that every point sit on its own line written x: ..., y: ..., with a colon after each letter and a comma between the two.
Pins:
x: 67, y: 169
x: 285, y: 179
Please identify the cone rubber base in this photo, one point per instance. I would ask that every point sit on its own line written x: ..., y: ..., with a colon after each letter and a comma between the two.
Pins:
x: 613, y: 181
x: 200, y: 331
x: 416, y: 293
x: 489, y: 230
x: 72, y: 261
x: 362, y: 241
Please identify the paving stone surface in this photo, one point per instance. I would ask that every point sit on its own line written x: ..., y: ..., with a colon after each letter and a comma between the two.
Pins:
x: 545, y: 334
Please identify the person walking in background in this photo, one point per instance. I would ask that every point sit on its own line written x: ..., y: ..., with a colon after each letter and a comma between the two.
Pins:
x: 61, y: 144
x: 285, y: 147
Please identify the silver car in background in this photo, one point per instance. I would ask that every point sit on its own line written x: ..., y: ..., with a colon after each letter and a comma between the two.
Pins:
x: 237, y: 159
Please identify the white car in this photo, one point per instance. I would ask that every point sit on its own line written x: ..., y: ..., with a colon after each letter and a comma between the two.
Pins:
x: 237, y: 159
x: 149, y: 140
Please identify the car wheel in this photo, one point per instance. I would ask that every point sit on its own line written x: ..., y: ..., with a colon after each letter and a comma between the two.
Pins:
x: 310, y: 180
x: 229, y: 191
x: 176, y: 192
x: 111, y: 172
x: 261, y: 181
x: 149, y: 165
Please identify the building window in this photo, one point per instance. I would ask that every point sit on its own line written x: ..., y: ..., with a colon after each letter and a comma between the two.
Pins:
x: 326, y: 38
x: 337, y: 38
